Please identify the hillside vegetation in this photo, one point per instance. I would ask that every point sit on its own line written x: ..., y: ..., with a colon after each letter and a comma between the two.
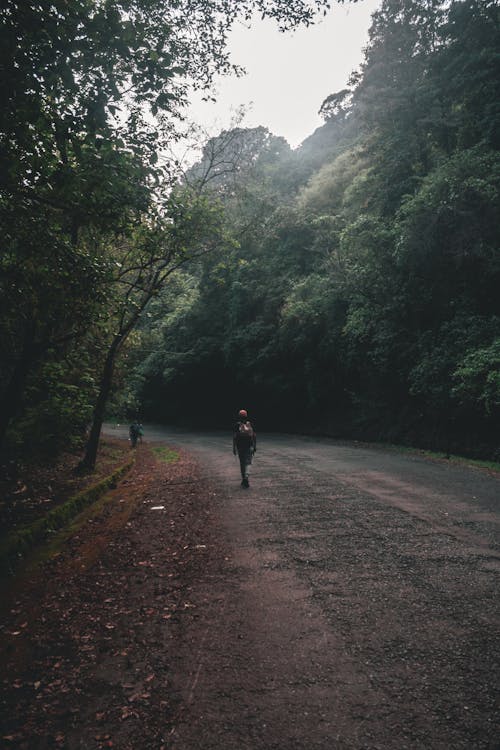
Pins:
x: 361, y: 297
x: 349, y: 287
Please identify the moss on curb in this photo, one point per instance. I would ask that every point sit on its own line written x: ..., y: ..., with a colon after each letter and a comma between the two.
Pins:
x: 20, y: 542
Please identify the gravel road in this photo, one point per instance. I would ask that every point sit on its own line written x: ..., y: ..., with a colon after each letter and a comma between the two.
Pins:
x: 349, y: 599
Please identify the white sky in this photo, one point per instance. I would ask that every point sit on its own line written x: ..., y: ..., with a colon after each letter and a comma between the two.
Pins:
x: 288, y: 75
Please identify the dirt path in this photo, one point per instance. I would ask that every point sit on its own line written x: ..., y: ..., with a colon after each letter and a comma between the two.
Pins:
x: 349, y: 599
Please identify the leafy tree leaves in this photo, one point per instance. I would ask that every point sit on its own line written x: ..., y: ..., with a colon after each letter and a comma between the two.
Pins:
x: 362, y: 296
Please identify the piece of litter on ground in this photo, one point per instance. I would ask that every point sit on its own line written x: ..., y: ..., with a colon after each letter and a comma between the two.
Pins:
x: 157, y: 507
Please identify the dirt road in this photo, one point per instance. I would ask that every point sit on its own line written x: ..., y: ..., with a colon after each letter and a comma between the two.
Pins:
x: 355, y: 605
x: 347, y: 601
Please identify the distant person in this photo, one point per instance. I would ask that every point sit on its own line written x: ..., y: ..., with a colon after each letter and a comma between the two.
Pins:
x: 134, y: 432
x: 244, y: 444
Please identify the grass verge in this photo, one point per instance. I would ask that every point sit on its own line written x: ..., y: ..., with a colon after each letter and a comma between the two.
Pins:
x: 19, y: 543
x: 441, y: 456
x: 165, y: 454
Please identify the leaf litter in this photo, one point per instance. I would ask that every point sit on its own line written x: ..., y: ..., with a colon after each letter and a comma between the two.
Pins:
x: 86, y: 652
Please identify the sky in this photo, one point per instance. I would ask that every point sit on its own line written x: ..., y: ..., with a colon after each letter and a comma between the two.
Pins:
x: 288, y: 75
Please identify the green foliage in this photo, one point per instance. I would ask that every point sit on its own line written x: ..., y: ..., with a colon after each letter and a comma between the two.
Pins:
x: 58, y: 407
x: 327, y: 188
x: 18, y: 545
x: 468, y: 74
x: 362, y: 295
x: 477, y: 379
x: 350, y: 286
x: 452, y: 217
x: 92, y: 92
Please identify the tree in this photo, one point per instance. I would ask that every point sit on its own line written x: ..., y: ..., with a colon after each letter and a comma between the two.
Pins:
x: 145, y: 259
x: 50, y: 292
x: 467, y: 72
x: 395, y: 98
x: 336, y: 105
x: 477, y: 380
x: 361, y: 287
x: 91, y: 92
x: 231, y: 159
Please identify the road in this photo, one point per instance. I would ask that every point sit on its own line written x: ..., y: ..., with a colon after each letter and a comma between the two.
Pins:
x: 351, y: 601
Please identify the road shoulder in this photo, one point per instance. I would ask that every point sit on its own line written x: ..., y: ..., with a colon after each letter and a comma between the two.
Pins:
x: 86, y: 641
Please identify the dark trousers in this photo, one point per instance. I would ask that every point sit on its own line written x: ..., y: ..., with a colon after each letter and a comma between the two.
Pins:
x: 245, y: 456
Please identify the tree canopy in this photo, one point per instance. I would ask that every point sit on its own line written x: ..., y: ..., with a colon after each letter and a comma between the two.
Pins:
x: 362, y: 296
x: 92, y: 93
x: 349, y: 287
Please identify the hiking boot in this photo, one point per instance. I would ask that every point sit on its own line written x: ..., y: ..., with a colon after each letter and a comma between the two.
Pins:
x: 245, y: 482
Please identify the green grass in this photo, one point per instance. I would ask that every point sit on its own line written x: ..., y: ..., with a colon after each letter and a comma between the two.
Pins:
x: 21, y: 542
x: 493, y: 465
x: 441, y: 456
x: 165, y: 454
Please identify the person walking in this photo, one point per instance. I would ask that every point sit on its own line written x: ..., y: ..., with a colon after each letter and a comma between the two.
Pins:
x: 134, y: 433
x: 244, y: 444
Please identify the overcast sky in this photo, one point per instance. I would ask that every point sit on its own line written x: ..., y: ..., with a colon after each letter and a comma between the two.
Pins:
x: 289, y: 75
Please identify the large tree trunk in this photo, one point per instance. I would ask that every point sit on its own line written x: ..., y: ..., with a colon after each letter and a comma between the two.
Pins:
x: 87, y: 464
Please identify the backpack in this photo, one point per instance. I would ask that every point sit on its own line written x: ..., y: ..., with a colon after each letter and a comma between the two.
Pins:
x: 245, y: 432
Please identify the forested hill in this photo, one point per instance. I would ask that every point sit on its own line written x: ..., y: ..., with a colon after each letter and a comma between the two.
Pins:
x: 350, y: 287
x: 362, y: 297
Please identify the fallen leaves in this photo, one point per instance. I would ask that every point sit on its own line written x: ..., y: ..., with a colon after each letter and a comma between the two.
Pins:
x: 104, y: 740
x: 96, y: 662
x: 19, y: 628
x: 144, y: 696
x: 127, y: 713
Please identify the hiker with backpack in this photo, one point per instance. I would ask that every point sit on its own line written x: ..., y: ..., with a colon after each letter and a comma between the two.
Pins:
x: 135, y: 431
x: 244, y: 444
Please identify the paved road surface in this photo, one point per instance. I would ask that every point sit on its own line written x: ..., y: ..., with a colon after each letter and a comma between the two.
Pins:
x: 356, y: 605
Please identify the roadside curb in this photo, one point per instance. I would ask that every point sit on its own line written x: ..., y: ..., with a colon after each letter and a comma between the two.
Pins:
x: 17, y: 544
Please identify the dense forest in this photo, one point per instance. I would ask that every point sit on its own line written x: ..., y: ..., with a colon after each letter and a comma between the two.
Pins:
x: 93, y: 216
x: 350, y: 287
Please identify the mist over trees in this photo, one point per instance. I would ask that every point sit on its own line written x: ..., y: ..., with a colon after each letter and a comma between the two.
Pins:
x: 349, y: 287
x: 362, y: 297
